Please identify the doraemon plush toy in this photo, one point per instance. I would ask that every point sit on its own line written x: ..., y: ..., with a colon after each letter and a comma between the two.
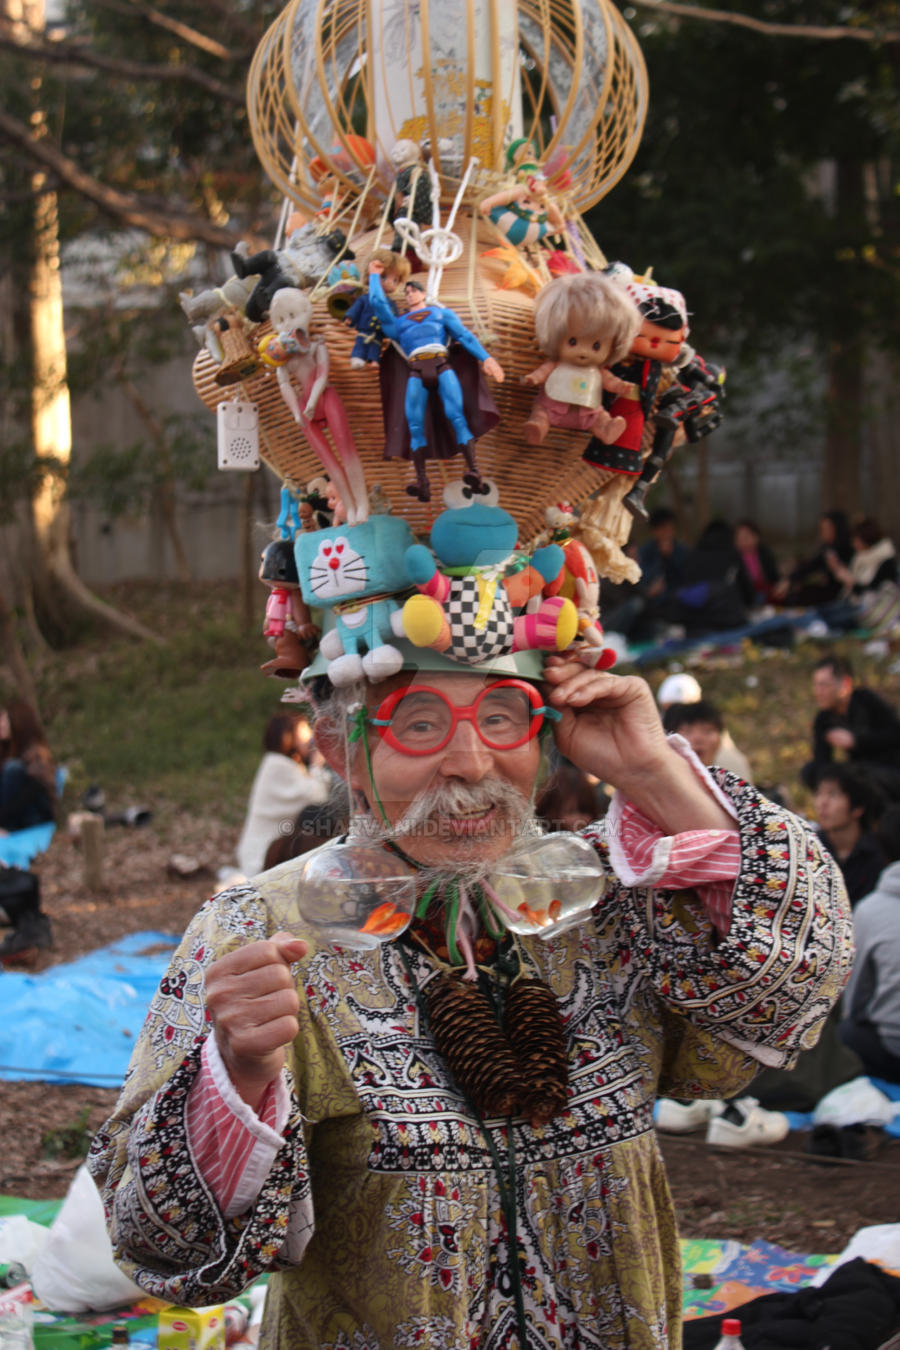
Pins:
x: 352, y: 570
x: 463, y: 607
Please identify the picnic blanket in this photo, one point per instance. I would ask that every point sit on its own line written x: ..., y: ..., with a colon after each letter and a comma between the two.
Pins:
x: 78, y: 1022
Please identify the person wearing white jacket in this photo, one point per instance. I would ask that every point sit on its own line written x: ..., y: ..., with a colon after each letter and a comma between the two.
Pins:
x: 871, y: 1024
x: 285, y: 782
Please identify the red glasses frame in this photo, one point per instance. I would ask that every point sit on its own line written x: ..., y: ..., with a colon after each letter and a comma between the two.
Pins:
x: 467, y: 713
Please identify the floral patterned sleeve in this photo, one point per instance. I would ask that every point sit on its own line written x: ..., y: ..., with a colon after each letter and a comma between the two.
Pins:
x: 167, y: 1229
x: 763, y: 989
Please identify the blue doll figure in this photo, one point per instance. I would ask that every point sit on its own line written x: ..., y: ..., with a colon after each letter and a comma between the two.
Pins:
x: 424, y: 334
x: 361, y: 314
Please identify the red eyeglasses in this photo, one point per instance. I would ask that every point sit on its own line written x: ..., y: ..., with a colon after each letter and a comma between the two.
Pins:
x: 419, y: 720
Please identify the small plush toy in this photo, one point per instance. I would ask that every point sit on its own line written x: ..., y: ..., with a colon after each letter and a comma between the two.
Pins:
x: 583, y: 322
x: 579, y: 582
x: 353, y: 570
x: 463, y: 607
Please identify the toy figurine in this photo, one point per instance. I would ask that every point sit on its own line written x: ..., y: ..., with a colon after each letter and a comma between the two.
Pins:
x: 412, y: 201
x: 463, y: 607
x: 525, y: 214
x: 322, y: 410
x: 306, y: 257
x: 650, y: 366
x: 423, y: 334
x: 579, y: 582
x: 361, y: 314
x: 334, y: 505
x: 313, y: 506
x: 583, y: 323
x: 288, y: 624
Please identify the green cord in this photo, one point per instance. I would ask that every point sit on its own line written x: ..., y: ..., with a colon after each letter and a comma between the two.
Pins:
x: 358, y: 720
x: 451, y: 923
x: 425, y: 900
x: 506, y: 1186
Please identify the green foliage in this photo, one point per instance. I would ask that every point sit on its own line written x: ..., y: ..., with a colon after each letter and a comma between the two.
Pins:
x: 179, y: 727
x: 71, y: 1140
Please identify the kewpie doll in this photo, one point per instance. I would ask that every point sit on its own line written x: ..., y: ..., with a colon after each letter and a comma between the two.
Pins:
x: 584, y: 323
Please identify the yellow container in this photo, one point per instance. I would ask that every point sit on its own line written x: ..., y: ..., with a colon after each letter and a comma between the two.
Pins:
x: 192, y: 1328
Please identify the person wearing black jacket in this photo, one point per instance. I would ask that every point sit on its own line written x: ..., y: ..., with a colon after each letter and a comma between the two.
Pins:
x: 812, y: 581
x: 856, y: 722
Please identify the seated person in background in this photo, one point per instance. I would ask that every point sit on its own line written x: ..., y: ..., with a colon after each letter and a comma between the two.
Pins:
x: 314, y: 825
x: 873, y: 563
x: 682, y: 687
x: 570, y: 799
x: 27, y: 770
x: 286, y: 780
x: 709, y: 600
x: 871, y: 1002
x: 662, y: 556
x: 847, y: 806
x: 701, y: 725
x: 812, y: 581
x: 758, y: 573
x: 853, y: 721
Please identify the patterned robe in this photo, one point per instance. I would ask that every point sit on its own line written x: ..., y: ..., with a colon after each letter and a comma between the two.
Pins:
x: 382, y: 1211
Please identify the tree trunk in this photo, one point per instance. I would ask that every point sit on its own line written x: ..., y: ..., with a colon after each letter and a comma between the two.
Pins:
x: 58, y: 589
x: 166, y: 493
x: 13, y: 657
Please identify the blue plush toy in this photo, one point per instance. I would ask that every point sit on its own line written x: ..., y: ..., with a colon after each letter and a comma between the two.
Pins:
x: 466, y: 601
x: 343, y: 568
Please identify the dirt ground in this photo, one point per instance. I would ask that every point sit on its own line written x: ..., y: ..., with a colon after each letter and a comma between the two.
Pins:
x: 778, y: 1193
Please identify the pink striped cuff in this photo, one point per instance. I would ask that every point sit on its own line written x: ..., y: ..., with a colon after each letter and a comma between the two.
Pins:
x: 233, y: 1147
x: 705, y: 860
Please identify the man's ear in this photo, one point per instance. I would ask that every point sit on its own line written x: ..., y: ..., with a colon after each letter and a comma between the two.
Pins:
x: 333, y: 745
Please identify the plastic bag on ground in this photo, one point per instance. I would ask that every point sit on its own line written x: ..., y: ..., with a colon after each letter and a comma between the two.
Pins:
x: 74, y: 1271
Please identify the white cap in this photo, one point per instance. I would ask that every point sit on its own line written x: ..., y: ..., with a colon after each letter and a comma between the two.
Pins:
x: 682, y: 688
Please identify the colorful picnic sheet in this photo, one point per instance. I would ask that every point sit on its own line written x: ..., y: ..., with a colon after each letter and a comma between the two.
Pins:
x: 740, y: 1273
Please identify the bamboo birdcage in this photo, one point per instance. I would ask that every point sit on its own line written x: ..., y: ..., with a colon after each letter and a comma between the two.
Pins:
x: 566, y: 75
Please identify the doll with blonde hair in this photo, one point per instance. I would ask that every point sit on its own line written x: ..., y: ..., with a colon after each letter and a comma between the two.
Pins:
x: 583, y: 323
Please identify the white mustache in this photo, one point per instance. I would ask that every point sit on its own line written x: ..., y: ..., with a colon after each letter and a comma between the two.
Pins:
x: 456, y: 798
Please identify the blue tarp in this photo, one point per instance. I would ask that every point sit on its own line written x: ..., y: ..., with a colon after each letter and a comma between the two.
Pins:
x: 78, y: 1022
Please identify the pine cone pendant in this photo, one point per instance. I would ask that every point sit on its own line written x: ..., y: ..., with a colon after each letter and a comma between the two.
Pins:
x: 536, y: 1034
x: 467, y: 1036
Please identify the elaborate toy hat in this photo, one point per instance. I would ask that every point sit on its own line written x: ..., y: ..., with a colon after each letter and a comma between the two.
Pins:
x: 443, y: 398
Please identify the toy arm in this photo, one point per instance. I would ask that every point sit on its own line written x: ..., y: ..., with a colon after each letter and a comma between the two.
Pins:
x: 498, y: 199
x: 386, y: 316
x: 613, y: 385
x: 288, y: 393
x: 459, y: 333
x: 302, y: 617
x: 423, y: 572
x: 542, y: 374
x: 555, y: 218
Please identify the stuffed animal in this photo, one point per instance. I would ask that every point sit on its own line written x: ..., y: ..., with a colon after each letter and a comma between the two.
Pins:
x: 352, y: 570
x: 463, y: 607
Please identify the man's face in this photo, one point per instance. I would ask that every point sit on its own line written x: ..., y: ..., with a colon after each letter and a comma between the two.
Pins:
x: 478, y: 826
x: 830, y: 691
x: 833, y: 807
x: 704, y: 738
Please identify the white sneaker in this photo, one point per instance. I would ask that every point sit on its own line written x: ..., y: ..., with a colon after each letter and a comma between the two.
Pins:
x: 744, y: 1122
x: 683, y: 1117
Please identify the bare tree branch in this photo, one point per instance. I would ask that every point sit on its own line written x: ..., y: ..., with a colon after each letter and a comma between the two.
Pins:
x: 832, y: 32
x: 182, y: 30
x: 70, y: 53
x: 128, y: 207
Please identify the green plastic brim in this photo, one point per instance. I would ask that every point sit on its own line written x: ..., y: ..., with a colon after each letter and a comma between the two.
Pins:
x: 523, y: 665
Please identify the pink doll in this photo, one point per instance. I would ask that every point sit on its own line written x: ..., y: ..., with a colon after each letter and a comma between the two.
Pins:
x: 304, y: 365
x: 584, y: 323
x: 288, y: 623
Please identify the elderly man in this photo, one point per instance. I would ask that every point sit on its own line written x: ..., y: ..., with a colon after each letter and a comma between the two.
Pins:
x: 300, y: 1106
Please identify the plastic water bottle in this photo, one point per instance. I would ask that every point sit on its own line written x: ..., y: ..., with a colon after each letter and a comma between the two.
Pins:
x: 731, y: 1335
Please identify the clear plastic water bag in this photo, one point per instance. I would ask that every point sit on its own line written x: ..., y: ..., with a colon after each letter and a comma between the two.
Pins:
x: 355, y: 894
x: 548, y: 884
